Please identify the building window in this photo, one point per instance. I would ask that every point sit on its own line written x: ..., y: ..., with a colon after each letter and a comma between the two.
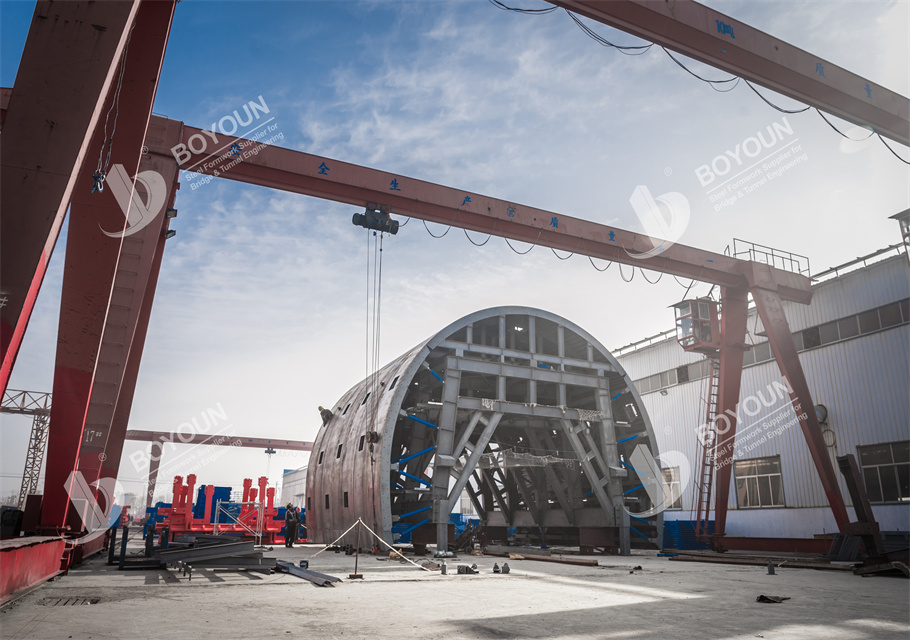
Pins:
x: 338, y: 453
x: 811, y: 338
x: 309, y: 504
x: 345, y: 499
x: 886, y: 471
x: 360, y: 446
x: 868, y: 321
x: 759, y: 483
x: 671, y: 484
x: 394, y: 382
x: 682, y: 374
x: 321, y: 453
x: 890, y: 315
x: 326, y: 501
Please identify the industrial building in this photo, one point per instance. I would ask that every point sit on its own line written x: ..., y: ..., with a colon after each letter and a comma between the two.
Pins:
x: 853, y: 341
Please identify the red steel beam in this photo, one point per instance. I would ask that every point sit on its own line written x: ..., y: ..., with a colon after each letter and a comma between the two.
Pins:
x: 728, y: 44
x: 125, y: 327
x: 299, y: 172
x: 218, y: 440
x: 735, y: 312
x: 771, y: 311
x: 67, y: 67
x: 91, y: 262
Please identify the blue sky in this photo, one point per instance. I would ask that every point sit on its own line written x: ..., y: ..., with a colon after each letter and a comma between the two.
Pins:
x: 262, y: 301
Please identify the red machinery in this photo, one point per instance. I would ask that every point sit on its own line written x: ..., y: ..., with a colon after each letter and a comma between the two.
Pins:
x: 256, y: 518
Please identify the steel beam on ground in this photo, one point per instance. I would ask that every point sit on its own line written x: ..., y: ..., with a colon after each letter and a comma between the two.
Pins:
x: 733, y: 46
x: 91, y: 261
x: 68, y: 64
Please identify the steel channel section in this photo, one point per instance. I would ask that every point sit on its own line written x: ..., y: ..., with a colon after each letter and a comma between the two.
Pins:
x: 91, y: 264
x: 728, y: 44
x: 466, y: 428
x: 67, y: 67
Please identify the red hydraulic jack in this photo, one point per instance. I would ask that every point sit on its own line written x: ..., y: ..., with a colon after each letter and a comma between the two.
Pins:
x: 255, y: 520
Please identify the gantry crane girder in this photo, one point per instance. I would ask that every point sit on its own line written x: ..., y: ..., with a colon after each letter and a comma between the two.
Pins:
x: 723, y: 42
x: 64, y: 78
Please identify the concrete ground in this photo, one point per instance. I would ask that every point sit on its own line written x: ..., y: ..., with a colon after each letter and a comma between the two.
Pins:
x: 665, y: 599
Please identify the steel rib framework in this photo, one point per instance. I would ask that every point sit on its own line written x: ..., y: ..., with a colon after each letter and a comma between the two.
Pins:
x: 519, y: 409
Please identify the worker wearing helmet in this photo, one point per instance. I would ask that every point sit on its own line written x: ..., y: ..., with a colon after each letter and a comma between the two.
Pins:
x: 290, y: 526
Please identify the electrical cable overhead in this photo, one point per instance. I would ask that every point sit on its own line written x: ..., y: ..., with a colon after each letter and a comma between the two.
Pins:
x: 521, y: 253
x: 690, y: 72
x: 432, y: 234
x: 714, y: 84
x: 890, y: 149
x: 591, y: 260
x: 559, y: 256
x: 538, y: 12
x: 476, y: 244
x: 621, y: 275
x: 646, y: 277
x: 624, y: 49
x: 771, y: 104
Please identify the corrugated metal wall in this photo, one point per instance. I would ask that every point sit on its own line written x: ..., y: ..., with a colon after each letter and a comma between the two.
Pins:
x: 864, y: 382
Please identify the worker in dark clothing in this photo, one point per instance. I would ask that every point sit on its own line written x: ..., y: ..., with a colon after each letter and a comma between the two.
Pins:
x: 290, y: 526
x: 326, y: 414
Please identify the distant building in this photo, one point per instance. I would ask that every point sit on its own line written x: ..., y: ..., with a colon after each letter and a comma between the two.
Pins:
x: 293, y: 487
x: 853, y: 342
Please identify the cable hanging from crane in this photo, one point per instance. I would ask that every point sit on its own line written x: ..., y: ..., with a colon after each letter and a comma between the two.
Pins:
x: 104, y: 163
x: 712, y: 83
x: 476, y: 244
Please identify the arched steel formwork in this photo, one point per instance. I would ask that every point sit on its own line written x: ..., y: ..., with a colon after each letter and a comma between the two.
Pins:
x: 522, y: 409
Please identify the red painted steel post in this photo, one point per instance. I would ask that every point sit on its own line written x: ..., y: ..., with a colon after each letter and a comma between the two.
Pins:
x: 771, y: 311
x: 733, y: 337
x: 69, y: 63
x: 125, y: 328
x: 91, y: 264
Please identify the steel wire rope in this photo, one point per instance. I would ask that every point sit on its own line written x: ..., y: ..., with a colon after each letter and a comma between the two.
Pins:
x: 104, y: 162
x: 559, y: 256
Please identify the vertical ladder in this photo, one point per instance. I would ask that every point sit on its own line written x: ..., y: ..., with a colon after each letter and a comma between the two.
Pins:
x: 704, y: 479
